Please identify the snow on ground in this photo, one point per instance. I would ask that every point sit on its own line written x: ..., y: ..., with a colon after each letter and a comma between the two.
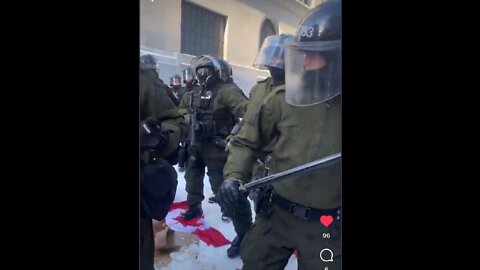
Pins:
x: 204, y: 257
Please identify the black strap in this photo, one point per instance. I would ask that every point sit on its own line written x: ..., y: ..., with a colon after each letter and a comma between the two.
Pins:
x: 303, y: 212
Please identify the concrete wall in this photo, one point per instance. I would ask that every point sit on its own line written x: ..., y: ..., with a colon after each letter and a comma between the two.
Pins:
x: 160, y: 23
x: 160, y: 32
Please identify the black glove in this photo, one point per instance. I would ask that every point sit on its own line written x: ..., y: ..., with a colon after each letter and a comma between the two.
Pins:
x: 151, y: 135
x: 229, y: 194
x: 149, y: 127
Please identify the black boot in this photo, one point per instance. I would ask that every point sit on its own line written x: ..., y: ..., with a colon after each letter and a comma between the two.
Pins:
x: 192, y: 212
x: 234, y: 250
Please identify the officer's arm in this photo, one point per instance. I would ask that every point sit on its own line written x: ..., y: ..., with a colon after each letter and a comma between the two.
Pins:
x: 183, y: 107
x: 161, y: 107
x: 176, y: 129
x: 245, y: 147
x: 254, y: 90
x: 233, y: 99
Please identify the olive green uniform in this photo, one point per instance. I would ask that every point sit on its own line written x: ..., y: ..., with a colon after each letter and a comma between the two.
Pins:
x: 154, y: 102
x: 257, y: 95
x: 242, y: 217
x: 302, y: 134
x: 225, y: 105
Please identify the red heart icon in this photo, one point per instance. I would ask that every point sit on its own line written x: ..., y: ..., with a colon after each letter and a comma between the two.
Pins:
x: 326, y: 220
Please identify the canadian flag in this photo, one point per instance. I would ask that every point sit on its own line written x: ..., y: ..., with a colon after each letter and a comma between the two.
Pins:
x: 197, y: 226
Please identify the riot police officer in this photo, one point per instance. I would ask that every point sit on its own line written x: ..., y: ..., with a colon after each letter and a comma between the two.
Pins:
x: 226, y: 74
x: 212, y: 110
x: 161, y: 128
x: 310, y: 106
x: 149, y: 61
x: 188, y: 75
x: 189, y: 79
x: 176, y: 87
x: 271, y: 57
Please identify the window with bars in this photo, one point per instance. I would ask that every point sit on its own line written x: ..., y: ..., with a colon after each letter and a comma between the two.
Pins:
x: 202, y: 31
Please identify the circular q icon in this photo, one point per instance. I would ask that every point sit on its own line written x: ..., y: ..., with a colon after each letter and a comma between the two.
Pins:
x: 326, y: 255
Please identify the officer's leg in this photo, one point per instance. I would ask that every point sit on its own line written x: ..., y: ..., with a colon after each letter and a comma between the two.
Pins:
x: 194, y: 177
x: 265, y: 247
x: 311, y: 252
x: 194, y: 187
x: 182, y: 158
x: 147, y: 247
x: 314, y: 264
x: 215, y: 159
x: 312, y: 239
x: 215, y: 176
x: 159, y: 185
x: 242, y: 222
x: 313, y: 247
x: 242, y: 217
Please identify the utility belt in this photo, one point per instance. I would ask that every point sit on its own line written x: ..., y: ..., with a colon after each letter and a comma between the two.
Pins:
x: 300, y: 211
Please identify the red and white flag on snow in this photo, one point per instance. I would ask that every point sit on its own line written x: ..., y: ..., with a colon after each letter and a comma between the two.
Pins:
x: 196, y: 226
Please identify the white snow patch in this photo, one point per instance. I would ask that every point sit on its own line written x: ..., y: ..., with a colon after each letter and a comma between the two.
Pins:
x: 204, y: 257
